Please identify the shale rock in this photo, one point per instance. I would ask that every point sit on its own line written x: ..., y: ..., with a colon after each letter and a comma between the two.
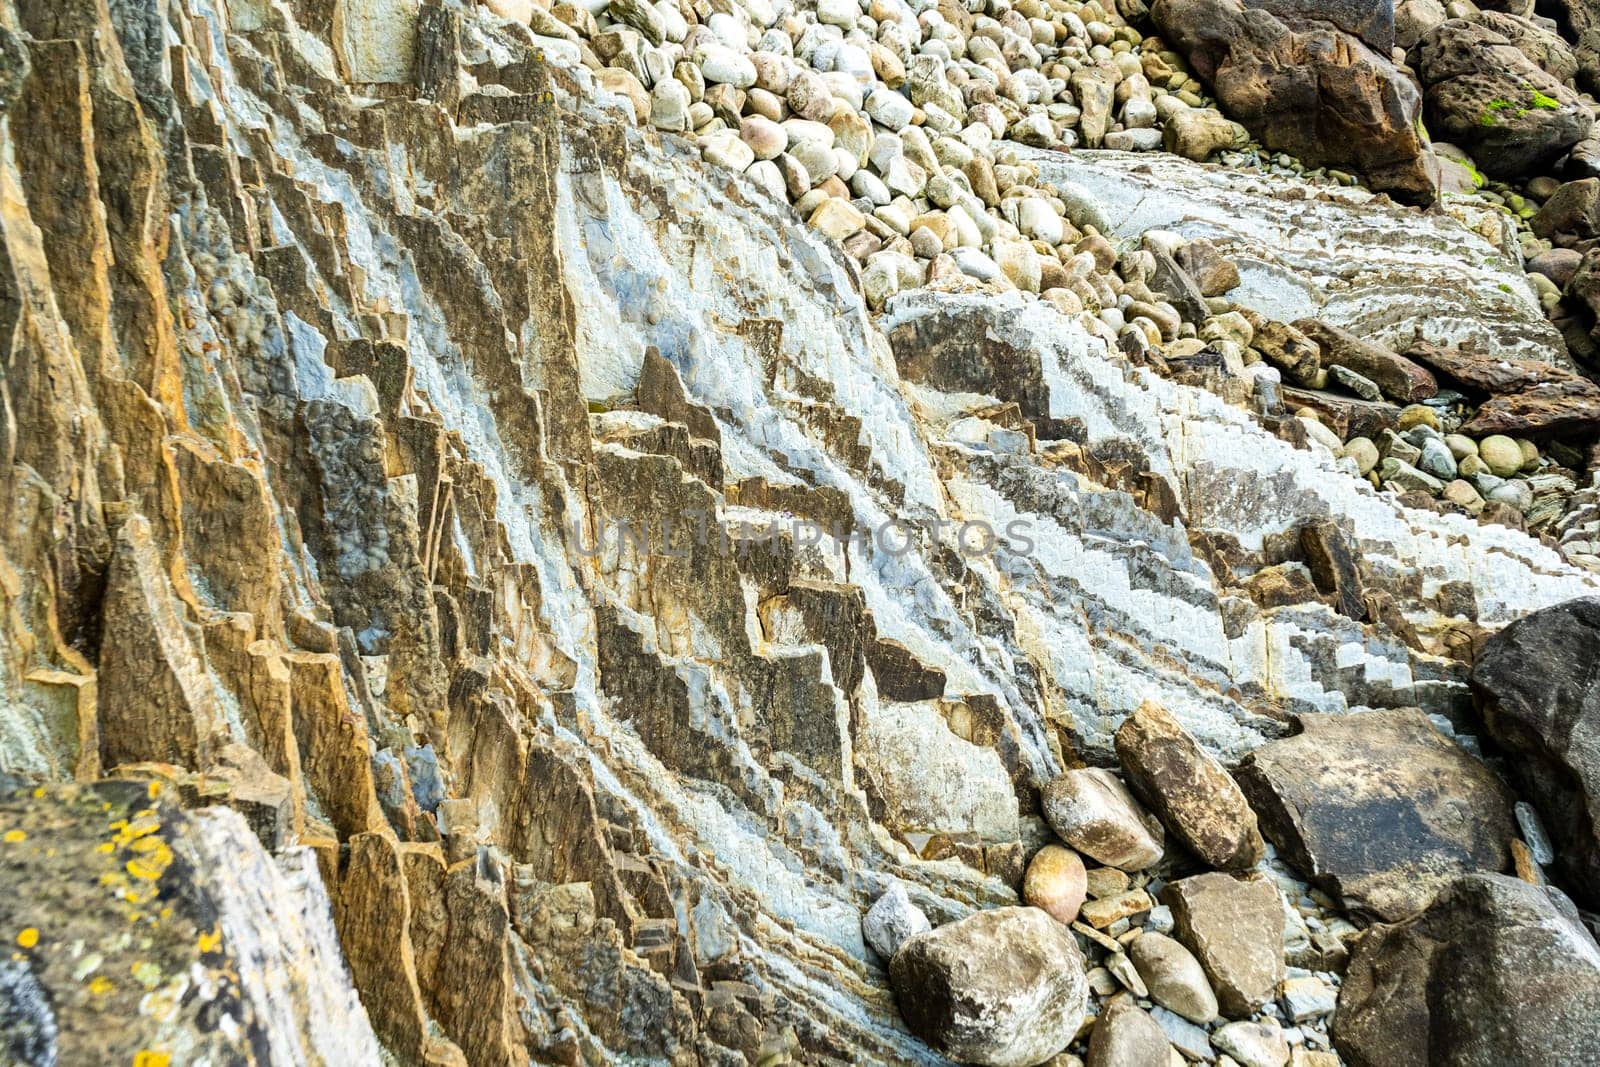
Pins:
x: 1537, y: 686
x: 1379, y: 808
x: 1495, y: 973
x: 1003, y: 987
x: 1193, y: 793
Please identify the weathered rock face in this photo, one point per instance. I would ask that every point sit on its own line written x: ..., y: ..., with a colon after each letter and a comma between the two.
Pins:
x: 1495, y: 972
x: 1308, y: 87
x: 1004, y: 987
x: 135, y: 930
x: 1379, y: 808
x: 1538, y: 687
x: 332, y: 432
x: 1483, y: 93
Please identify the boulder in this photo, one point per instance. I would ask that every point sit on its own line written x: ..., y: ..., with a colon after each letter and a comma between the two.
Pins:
x: 1195, y: 133
x: 1091, y: 810
x: 1307, y: 88
x: 1484, y: 94
x: 1536, y: 684
x: 1125, y: 1036
x: 1056, y: 882
x: 1370, y: 20
x: 1235, y: 929
x: 1379, y: 808
x: 1191, y: 792
x: 1003, y: 988
x: 1495, y: 973
x: 1399, y: 378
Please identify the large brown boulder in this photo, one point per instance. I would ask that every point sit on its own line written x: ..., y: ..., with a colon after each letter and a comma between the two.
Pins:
x: 1003, y: 987
x: 1309, y: 88
x: 1538, y: 685
x: 1495, y: 973
x: 1193, y: 794
x: 1484, y: 94
x: 1370, y: 20
x: 1379, y: 808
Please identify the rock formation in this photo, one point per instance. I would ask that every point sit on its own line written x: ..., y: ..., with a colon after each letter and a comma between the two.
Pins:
x: 535, y: 533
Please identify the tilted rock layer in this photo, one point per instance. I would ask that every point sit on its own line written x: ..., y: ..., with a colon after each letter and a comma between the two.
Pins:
x: 340, y: 485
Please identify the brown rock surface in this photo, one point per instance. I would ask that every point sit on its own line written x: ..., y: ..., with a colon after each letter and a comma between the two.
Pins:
x: 1379, y: 808
x: 1234, y: 926
x: 1193, y: 793
x: 1308, y: 89
x: 1399, y: 378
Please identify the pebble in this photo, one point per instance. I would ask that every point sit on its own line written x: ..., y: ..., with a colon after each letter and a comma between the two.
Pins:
x: 1253, y: 1044
x: 1055, y: 882
x: 1174, y: 977
x: 1501, y: 455
x: 1308, y: 998
x: 1189, y: 1039
x: 1102, y: 913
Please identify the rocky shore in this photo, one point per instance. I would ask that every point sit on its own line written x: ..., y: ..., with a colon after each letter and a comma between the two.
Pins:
x: 733, y: 532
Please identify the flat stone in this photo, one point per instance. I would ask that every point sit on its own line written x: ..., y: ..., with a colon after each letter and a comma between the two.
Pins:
x: 1120, y: 967
x: 1379, y: 808
x: 1253, y: 1044
x: 1102, y: 913
x: 1399, y: 377
x: 1308, y: 998
x: 1190, y: 1040
x: 1193, y: 793
x: 1235, y: 929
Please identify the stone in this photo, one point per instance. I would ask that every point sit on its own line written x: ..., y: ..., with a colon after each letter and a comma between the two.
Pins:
x: 1399, y: 378
x: 1190, y: 1040
x: 1091, y: 810
x: 1285, y: 347
x: 1213, y: 272
x: 1364, y: 452
x: 1106, y: 911
x: 1574, y: 210
x: 1124, y: 1035
x: 1174, y: 977
x: 837, y: 218
x: 1535, y: 685
x: 1437, y: 460
x: 1379, y: 808
x: 1494, y: 973
x: 726, y: 149
x: 891, y: 920
x: 890, y: 110
x: 1501, y: 455
x: 1253, y: 1044
x: 1003, y: 987
x: 1173, y: 283
x: 1484, y: 373
x: 669, y: 106
x: 1307, y: 998
x: 1120, y: 967
x: 1055, y: 882
x: 1306, y: 88
x: 1196, y: 133
x: 1235, y: 928
x: 1485, y: 95
x: 766, y: 138
x: 1193, y: 794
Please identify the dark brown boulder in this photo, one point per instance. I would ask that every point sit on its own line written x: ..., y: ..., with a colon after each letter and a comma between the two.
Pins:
x: 1398, y: 377
x: 1309, y: 89
x: 1484, y: 94
x: 1379, y: 808
x: 1192, y: 793
x: 1370, y: 20
x: 1495, y: 973
x: 1538, y: 685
